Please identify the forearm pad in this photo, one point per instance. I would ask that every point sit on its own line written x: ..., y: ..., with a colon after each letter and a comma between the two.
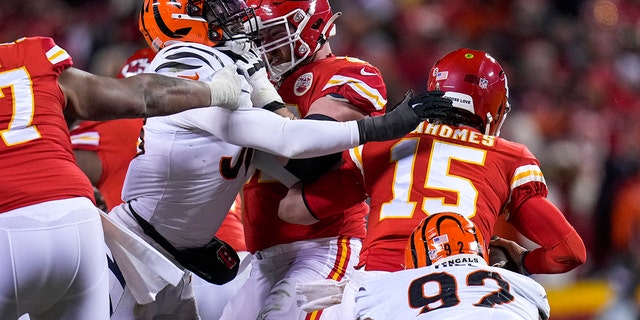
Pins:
x: 395, y: 124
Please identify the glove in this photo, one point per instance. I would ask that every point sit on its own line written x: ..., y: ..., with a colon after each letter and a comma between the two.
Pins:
x: 403, y: 117
x: 225, y: 88
x: 431, y: 100
x: 512, y: 256
x: 319, y: 294
x: 264, y: 94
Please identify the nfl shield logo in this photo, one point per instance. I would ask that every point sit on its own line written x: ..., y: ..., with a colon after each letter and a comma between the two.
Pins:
x: 484, y: 83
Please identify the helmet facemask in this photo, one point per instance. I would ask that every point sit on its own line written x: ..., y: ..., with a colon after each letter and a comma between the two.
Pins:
x: 292, y: 32
x: 278, y: 33
x: 228, y: 21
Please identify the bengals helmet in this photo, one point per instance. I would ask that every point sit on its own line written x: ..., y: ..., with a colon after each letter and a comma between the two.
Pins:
x: 476, y: 83
x: 207, y: 22
x: 306, y: 26
x: 442, y: 235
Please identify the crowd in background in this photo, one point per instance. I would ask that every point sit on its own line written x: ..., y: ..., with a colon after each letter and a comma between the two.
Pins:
x: 573, y: 68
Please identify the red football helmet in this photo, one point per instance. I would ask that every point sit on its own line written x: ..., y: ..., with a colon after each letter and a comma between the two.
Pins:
x: 476, y: 83
x: 303, y: 25
x: 442, y: 235
x: 207, y: 22
x: 137, y: 63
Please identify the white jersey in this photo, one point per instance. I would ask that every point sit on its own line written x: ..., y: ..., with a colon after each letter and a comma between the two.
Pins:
x: 185, y: 179
x: 455, y: 288
x: 191, y: 166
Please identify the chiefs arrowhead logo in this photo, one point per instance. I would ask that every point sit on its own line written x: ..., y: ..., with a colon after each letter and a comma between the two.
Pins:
x: 303, y: 84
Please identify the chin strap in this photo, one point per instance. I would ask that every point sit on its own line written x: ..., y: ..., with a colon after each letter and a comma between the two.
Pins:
x: 332, y: 32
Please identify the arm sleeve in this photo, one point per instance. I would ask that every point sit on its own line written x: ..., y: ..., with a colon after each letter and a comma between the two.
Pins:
x: 269, y: 132
x: 334, y: 192
x: 270, y: 164
x: 310, y: 169
x: 561, y: 248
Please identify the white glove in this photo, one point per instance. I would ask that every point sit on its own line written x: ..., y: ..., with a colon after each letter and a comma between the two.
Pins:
x: 319, y: 294
x: 225, y: 88
x: 254, y: 70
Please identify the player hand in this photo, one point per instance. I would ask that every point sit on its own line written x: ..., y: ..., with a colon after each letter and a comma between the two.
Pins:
x: 514, y: 254
x: 396, y: 123
x: 255, y: 71
x: 425, y: 103
x: 225, y: 88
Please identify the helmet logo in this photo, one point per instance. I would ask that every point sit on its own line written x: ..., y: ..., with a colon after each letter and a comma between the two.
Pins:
x: 483, y: 83
x: 469, y: 55
x: 303, y: 84
x: 297, y: 17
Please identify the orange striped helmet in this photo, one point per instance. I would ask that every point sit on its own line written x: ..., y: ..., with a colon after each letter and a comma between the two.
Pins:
x: 207, y: 22
x: 442, y: 235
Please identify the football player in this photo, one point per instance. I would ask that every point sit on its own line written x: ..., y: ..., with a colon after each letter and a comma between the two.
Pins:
x: 316, y: 84
x: 447, y: 277
x: 51, y: 242
x: 455, y: 162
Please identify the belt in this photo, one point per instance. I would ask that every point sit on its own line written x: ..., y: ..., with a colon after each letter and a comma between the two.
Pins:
x: 153, y: 233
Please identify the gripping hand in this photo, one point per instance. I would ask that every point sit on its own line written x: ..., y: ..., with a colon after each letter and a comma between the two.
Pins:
x: 512, y: 255
x: 225, y: 88
x: 264, y: 94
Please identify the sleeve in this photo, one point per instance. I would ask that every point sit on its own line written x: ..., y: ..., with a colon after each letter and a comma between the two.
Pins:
x: 273, y: 167
x: 335, y: 191
x: 561, y: 248
x: 527, y: 181
x: 58, y: 57
x: 359, y: 84
x: 264, y: 130
x: 85, y: 136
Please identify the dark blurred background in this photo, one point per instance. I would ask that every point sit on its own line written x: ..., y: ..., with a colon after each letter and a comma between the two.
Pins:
x: 574, y: 76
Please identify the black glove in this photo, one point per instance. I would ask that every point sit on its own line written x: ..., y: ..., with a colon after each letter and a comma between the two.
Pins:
x: 430, y: 100
x: 403, y: 117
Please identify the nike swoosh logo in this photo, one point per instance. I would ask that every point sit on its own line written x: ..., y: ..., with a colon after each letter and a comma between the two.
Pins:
x: 367, y: 73
x: 193, y: 77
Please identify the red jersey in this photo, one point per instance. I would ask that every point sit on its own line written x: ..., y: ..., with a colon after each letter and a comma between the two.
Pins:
x: 37, y: 163
x: 359, y: 84
x: 115, y: 143
x: 433, y: 169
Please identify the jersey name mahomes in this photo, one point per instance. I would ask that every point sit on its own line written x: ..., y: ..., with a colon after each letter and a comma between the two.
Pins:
x: 462, y: 134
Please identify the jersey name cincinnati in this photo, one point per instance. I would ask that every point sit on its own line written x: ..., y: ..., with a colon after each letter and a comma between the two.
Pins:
x: 461, y: 134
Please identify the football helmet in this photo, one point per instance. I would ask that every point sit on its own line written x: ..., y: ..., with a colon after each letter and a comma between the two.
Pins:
x: 442, y: 235
x: 475, y: 82
x: 207, y: 22
x: 137, y: 63
x: 302, y: 25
